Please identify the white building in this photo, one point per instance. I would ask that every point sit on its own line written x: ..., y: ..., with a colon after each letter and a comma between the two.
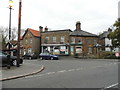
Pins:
x: 108, y: 42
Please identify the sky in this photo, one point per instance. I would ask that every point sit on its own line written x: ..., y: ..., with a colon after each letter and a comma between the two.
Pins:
x: 95, y: 15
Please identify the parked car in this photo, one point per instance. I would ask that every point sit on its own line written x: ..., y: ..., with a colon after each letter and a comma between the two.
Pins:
x: 30, y: 56
x: 4, y: 59
x: 48, y: 56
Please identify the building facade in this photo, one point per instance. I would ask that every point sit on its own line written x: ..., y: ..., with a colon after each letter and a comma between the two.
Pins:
x: 67, y: 42
x: 30, y: 42
x: 82, y: 42
x: 56, y: 41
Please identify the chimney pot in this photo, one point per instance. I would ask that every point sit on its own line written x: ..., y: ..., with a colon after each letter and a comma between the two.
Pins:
x: 46, y: 29
x: 78, y: 25
x: 41, y: 28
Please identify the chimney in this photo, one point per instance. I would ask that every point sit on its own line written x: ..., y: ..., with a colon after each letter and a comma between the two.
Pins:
x: 78, y: 25
x: 46, y: 29
x: 41, y: 28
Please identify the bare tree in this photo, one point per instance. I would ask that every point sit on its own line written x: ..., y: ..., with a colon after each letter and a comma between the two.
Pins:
x: 3, y: 37
x: 14, y: 33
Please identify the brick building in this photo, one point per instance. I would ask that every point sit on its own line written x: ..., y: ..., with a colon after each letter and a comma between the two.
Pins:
x: 67, y: 42
x: 30, y: 42
x: 56, y: 41
x: 60, y: 42
x: 82, y: 42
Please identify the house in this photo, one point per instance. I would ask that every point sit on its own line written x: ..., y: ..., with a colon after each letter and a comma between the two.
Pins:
x: 68, y: 42
x: 13, y: 47
x: 30, y: 42
x: 107, y: 43
x: 55, y: 41
x: 82, y: 43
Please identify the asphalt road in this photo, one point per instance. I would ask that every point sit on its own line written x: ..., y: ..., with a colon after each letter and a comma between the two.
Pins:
x: 70, y: 73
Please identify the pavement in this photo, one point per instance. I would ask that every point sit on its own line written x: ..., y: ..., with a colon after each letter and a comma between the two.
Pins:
x: 26, y: 69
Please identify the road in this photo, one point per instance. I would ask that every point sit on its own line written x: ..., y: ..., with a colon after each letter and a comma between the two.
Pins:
x: 70, y: 73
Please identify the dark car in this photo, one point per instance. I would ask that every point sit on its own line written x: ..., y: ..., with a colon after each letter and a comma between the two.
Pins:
x: 48, y: 56
x: 4, y: 59
x: 30, y: 56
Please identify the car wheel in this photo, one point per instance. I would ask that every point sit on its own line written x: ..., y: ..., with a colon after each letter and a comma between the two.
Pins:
x: 14, y: 63
x: 52, y: 58
x: 30, y: 58
x: 41, y: 58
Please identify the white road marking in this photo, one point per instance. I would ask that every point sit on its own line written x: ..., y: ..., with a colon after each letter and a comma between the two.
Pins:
x: 77, y: 69
x: 50, y: 73
x: 71, y: 70
x: 61, y: 71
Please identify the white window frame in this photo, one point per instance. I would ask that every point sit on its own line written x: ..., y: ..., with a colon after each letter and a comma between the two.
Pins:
x: 30, y: 50
x: 31, y: 40
x: 62, y: 38
x: 26, y: 41
x: 73, y: 40
x: 54, y: 39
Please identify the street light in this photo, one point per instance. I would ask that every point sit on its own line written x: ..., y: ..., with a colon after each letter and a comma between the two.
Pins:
x: 10, y: 7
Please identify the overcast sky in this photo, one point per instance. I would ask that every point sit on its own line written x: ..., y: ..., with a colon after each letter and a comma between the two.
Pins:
x: 95, y: 15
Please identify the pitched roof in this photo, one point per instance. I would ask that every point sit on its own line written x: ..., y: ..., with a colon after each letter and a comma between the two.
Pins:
x: 35, y: 32
x: 104, y: 34
x: 82, y: 33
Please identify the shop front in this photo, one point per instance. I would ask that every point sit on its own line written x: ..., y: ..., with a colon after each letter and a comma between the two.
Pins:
x: 56, y: 49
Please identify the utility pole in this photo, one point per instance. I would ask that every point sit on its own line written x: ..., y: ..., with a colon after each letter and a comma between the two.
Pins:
x: 19, y: 32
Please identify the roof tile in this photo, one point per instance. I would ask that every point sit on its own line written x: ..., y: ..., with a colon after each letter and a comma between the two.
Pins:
x: 35, y: 32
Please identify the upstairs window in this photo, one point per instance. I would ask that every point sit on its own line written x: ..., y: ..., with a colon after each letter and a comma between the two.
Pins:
x: 31, y: 40
x: 54, y: 39
x: 26, y: 41
x: 62, y: 39
x: 46, y: 40
x: 72, y: 40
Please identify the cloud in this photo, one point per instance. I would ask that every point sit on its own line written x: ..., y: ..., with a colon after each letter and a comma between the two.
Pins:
x: 95, y: 15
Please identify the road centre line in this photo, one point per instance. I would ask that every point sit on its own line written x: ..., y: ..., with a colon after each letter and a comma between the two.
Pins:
x: 61, y: 71
x: 77, y: 69
x: 71, y: 70
x: 50, y: 73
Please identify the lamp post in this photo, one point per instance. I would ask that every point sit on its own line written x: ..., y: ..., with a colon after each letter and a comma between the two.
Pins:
x: 10, y: 7
x: 19, y: 32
